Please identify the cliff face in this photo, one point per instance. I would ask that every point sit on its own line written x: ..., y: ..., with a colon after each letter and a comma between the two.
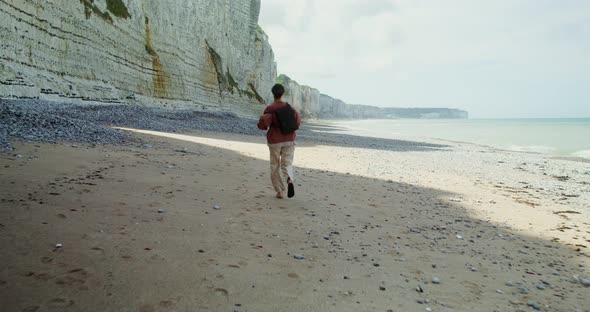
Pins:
x: 312, y: 104
x: 175, y: 53
x: 305, y: 99
x: 331, y: 108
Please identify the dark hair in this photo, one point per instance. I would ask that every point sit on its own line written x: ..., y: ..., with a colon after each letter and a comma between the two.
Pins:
x: 278, y: 90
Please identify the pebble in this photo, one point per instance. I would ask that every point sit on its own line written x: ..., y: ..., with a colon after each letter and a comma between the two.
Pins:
x: 582, y: 280
x: 533, y: 305
x: 46, y: 121
x: 161, y: 210
x: 217, y: 207
x: 473, y: 269
x: 509, y: 284
x: 299, y: 257
x: 428, y: 310
x: 459, y: 237
x: 59, y: 245
x: 523, y: 290
x: 540, y: 286
x: 436, y: 280
x: 421, y: 301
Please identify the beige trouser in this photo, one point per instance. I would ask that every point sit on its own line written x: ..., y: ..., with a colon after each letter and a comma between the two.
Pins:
x: 281, y: 159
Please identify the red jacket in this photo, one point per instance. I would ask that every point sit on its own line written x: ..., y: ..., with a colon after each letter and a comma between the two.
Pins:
x: 269, y: 121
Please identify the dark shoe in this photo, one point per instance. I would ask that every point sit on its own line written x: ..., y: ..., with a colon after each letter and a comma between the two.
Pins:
x: 291, y: 190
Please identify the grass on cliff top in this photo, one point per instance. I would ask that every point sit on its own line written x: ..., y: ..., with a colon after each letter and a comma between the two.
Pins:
x: 90, y: 8
x: 118, y: 8
x: 282, y: 79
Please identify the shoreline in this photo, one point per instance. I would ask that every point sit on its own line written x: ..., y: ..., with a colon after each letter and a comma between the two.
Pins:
x: 359, y: 127
x: 376, y: 221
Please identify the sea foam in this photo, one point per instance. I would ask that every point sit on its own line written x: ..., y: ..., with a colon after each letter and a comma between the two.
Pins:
x: 582, y: 153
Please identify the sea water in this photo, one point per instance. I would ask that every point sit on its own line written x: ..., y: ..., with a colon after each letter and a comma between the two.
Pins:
x: 557, y: 137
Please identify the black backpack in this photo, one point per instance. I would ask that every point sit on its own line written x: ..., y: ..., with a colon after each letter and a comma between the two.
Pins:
x: 287, y: 119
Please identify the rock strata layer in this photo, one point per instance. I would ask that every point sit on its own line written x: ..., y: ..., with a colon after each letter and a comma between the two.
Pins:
x: 178, y: 53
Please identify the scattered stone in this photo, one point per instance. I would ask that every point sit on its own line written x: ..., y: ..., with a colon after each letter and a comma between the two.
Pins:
x: 533, y: 305
x: 59, y: 245
x: 428, y: 309
x: 161, y: 210
x: 299, y: 257
x: 381, y: 288
x: 421, y: 301
x: 459, y: 237
x: 216, y: 207
x: 499, y: 291
x: 514, y: 302
x: 583, y: 281
x: 523, y: 290
x: 509, y: 284
x: 540, y: 286
x: 473, y: 269
x: 419, y: 289
x: 436, y: 280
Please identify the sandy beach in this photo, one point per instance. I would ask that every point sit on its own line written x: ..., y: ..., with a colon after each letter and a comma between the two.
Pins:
x: 446, y: 226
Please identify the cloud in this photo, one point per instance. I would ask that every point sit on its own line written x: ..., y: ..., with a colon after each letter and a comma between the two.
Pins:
x: 459, y: 53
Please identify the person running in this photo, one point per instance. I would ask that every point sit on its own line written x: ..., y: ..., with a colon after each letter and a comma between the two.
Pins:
x: 281, y: 120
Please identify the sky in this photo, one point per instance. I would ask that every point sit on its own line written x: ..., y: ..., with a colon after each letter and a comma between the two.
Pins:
x: 493, y: 58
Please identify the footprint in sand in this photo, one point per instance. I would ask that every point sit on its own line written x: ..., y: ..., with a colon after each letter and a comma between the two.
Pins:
x: 74, y: 278
x: 125, y: 253
x: 43, y: 277
x: 146, y: 308
x: 98, y: 249
x: 221, y: 292
x: 58, y: 304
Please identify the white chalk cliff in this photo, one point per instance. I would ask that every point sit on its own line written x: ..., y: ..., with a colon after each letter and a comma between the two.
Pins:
x: 175, y: 53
